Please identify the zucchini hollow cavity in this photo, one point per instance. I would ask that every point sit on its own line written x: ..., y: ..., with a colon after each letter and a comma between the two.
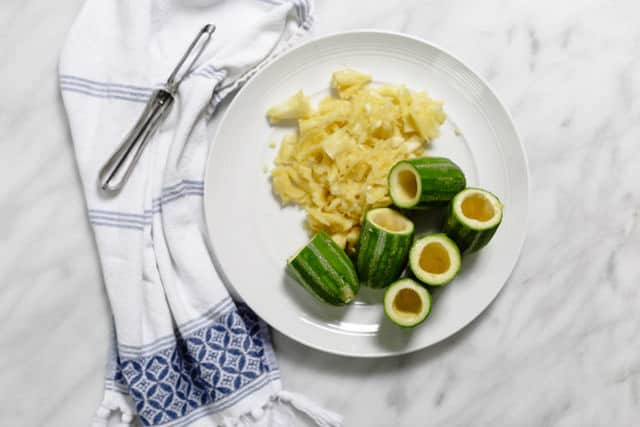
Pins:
x: 406, y: 303
x: 434, y: 259
x: 474, y: 216
x: 424, y: 182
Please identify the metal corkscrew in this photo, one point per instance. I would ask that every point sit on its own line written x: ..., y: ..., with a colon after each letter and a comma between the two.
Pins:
x: 116, y: 171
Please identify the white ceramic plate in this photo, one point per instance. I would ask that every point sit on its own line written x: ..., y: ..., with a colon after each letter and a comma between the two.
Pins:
x: 252, y: 235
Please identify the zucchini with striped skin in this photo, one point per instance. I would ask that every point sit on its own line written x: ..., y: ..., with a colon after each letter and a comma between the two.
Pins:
x: 424, y: 182
x: 383, y: 247
x: 474, y: 216
x: 407, y: 303
x: 325, y: 270
x: 434, y: 259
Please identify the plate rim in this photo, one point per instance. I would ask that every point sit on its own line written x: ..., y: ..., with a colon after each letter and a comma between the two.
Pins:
x: 269, y: 62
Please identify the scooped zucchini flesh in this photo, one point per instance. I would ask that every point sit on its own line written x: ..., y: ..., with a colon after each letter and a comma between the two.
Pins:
x: 404, y: 185
x: 407, y: 303
x: 474, y: 216
x: 434, y: 259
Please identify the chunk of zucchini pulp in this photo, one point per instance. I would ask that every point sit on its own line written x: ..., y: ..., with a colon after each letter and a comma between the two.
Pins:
x: 434, y: 259
x: 383, y: 248
x: 424, y: 182
x: 325, y: 270
x: 473, y: 218
x: 406, y: 303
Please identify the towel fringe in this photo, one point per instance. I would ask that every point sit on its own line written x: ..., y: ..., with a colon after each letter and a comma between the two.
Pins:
x: 320, y: 416
x: 110, y: 403
x: 113, y: 402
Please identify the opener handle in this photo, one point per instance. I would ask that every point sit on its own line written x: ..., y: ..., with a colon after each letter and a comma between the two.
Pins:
x: 116, y: 171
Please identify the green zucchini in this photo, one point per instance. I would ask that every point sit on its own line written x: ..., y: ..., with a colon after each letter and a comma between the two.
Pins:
x: 434, y: 259
x: 474, y: 216
x: 383, y: 247
x: 325, y: 270
x: 406, y: 303
x: 424, y: 182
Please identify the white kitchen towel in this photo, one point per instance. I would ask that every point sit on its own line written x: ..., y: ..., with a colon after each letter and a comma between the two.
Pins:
x: 184, y: 353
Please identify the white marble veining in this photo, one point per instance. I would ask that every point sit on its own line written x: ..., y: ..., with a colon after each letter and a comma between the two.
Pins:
x: 559, y: 347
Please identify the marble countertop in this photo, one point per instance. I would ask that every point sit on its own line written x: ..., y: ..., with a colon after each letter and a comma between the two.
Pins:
x: 560, y: 345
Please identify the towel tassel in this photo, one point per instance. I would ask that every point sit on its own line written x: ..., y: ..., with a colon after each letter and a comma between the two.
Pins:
x: 112, y: 402
x: 319, y: 415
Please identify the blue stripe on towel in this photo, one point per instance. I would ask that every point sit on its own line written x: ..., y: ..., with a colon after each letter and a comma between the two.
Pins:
x: 116, y: 214
x: 116, y: 220
x: 183, y: 183
x: 178, y: 195
x: 193, y: 182
x: 168, y: 340
x: 303, y: 10
x: 96, y: 89
x: 135, y: 221
x: 103, y: 95
x: 75, y: 79
x: 302, y: 7
x: 107, y: 89
x: 116, y: 225
x: 211, y: 71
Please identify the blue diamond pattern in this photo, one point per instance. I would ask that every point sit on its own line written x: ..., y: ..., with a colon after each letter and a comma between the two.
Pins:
x: 207, y: 364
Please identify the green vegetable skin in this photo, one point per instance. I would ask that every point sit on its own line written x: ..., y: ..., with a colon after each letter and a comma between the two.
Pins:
x: 410, y: 309
x: 383, y: 248
x: 424, y: 182
x: 325, y: 270
x: 468, y: 234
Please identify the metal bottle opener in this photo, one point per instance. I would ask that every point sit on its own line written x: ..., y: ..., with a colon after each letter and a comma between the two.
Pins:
x: 116, y: 171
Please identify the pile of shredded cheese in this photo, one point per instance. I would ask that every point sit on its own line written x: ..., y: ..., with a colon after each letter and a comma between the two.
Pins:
x: 336, y: 165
